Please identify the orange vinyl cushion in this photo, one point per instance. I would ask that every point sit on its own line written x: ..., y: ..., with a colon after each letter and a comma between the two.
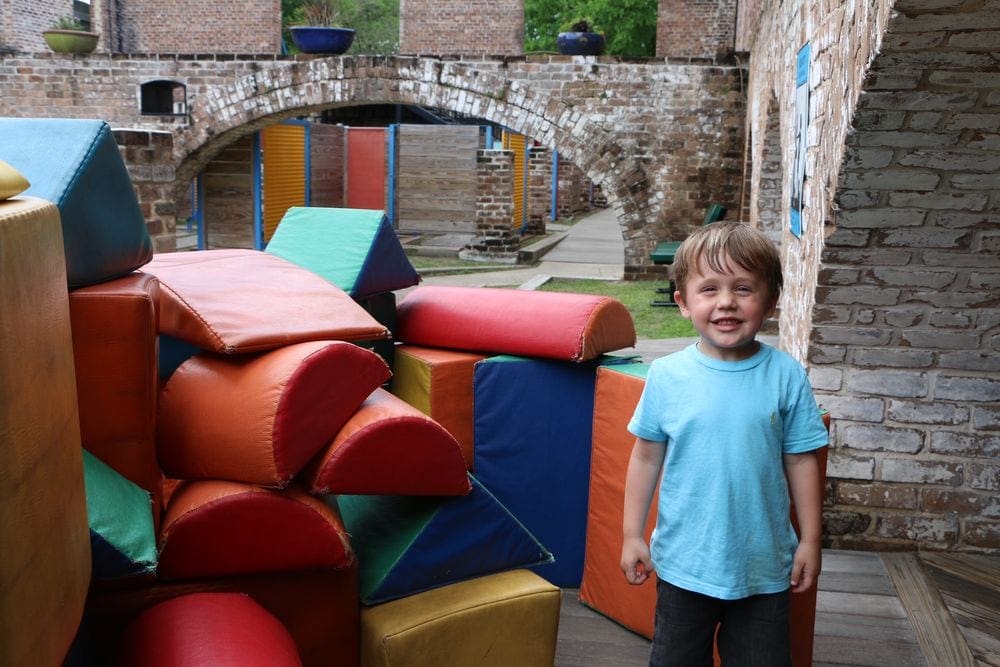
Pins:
x: 603, y: 586
x: 114, y: 348
x: 231, y: 301
x: 439, y: 384
x: 260, y: 418
x: 388, y: 447
x: 551, y: 325
x: 44, y: 539
x: 208, y: 629
x: 216, y: 528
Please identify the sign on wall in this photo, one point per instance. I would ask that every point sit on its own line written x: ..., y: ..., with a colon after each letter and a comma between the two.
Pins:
x: 801, y: 130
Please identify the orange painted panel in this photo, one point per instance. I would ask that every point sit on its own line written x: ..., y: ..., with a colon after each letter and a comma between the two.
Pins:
x: 365, y: 168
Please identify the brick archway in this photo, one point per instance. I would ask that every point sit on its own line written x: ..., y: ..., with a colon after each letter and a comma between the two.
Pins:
x: 298, y: 87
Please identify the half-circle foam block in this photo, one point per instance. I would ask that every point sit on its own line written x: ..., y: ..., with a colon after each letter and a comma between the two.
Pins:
x: 439, y: 384
x: 216, y: 528
x: 76, y: 165
x: 408, y: 544
x: 208, y: 629
x: 231, y: 301
x: 390, y: 447
x: 355, y: 249
x: 260, y: 418
x: 553, y: 325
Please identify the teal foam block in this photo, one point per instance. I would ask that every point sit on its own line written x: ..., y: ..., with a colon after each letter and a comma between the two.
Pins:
x: 355, y: 249
x: 120, y: 514
x: 408, y: 544
x: 76, y: 165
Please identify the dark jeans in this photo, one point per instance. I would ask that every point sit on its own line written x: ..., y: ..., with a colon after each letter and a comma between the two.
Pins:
x: 753, y: 631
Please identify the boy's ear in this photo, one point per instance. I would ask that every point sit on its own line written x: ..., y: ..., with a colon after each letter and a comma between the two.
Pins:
x: 682, y: 305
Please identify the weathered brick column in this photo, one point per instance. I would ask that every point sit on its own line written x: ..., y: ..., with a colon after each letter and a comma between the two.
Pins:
x: 496, y: 239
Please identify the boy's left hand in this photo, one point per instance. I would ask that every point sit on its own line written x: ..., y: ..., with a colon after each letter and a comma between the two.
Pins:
x: 806, y: 566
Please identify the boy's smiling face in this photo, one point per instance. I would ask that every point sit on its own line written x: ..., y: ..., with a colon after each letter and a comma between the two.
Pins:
x: 727, y: 308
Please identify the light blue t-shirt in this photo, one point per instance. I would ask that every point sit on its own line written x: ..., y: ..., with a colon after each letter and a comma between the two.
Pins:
x: 723, y: 526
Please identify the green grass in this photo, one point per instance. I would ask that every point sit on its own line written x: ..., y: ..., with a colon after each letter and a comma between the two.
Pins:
x: 650, y: 321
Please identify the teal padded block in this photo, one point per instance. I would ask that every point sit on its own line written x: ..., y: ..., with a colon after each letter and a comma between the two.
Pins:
x: 408, y: 544
x: 76, y: 165
x: 355, y: 249
x: 120, y: 514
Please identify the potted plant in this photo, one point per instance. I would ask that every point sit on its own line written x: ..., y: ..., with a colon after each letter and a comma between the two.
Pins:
x: 68, y: 35
x: 317, y: 29
x: 581, y: 38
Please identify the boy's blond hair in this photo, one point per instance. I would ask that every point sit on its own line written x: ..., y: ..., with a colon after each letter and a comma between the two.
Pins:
x: 738, y: 241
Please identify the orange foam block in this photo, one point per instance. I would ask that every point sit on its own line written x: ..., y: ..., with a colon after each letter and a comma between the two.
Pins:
x: 603, y: 587
x: 388, y: 447
x: 231, y: 301
x: 439, y: 383
x: 260, y: 418
x: 551, y: 325
x: 216, y: 528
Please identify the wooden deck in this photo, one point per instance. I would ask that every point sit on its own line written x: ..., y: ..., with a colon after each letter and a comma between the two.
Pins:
x: 873, y: 610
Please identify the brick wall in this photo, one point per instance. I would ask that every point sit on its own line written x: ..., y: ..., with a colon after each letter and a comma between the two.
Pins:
x: 695, y: 28
x: 468, y: 27
x: 194, y: 26
x: 496, y: 240
x: 894, y: 287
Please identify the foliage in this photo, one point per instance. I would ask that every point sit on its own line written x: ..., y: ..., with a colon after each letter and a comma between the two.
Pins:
x: 68, y: 23
x: 629, y: 25
x: 376, y: 22
x: 650, y: 321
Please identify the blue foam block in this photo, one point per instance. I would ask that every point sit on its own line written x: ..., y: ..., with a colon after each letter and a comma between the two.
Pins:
x: 355, y: 249
x: 409, y: 544
x: 533, y: 423
x: 76, y: 165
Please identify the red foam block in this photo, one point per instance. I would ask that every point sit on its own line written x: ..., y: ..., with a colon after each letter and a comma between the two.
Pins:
x: 219, y: 629
x: 552, y: 325
x: 219, y: 528
x: 388, y: 447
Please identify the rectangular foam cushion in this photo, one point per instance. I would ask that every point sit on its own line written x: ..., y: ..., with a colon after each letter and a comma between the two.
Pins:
x: 114, y: 349
x: 604, y: 587
x: 533, y: 420
x: 234, y: 301
x: 44, y: 538
x: 551, y: 325
x: 509, y: 618
x: 76, y: 165
x: 439, y: 383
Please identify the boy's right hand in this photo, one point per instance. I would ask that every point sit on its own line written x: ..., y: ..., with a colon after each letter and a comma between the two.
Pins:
x: 636, y: 562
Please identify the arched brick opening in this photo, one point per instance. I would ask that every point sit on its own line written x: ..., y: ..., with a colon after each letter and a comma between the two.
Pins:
x: 768, y: 201
x: 308, y: 86
x: 906, y: 338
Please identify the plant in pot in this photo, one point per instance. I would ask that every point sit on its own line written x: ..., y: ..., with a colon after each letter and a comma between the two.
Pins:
x: 68, y: 35
x: 317, y: 29
x: 581, y: 38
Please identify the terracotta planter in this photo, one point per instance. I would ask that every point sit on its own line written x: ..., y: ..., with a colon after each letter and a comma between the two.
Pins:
x: 71, y: 41
x: 318, y: 39
x: 580, y: 43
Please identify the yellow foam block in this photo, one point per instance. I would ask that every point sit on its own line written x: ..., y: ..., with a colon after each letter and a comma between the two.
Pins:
x: 509, y: 618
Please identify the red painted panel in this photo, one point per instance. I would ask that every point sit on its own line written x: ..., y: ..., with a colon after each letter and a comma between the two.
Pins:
x: 366, y: 168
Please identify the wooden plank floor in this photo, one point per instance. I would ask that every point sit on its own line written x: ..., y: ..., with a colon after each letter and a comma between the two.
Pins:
x: 872, y: 610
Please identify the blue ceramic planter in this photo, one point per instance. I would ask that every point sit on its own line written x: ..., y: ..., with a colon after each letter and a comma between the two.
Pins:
x: 318, y: 39
x: 580, y: 43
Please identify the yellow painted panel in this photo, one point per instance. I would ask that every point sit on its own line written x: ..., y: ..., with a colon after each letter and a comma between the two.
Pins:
x: 283, y: 166
x: 516, y: 143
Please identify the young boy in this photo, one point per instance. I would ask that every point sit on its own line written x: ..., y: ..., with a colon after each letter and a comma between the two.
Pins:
x: 727, y: 420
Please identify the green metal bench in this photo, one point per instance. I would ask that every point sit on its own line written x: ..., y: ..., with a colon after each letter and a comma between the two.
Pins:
x: 664, y: 252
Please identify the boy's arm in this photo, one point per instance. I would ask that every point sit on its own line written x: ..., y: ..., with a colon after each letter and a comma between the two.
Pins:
x: 640, y: 483
x: 802, y: 471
